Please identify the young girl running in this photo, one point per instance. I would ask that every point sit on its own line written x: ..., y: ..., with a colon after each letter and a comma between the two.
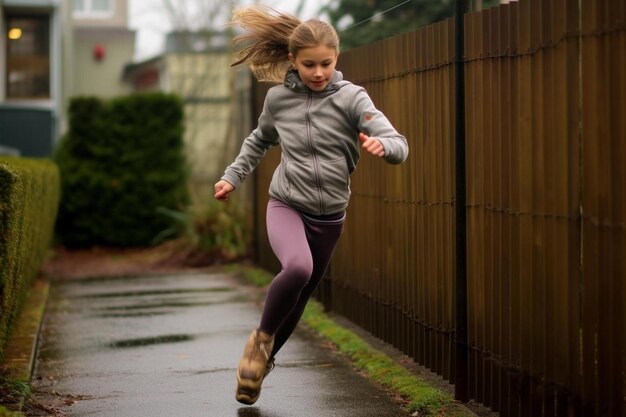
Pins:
x: 320, y: 122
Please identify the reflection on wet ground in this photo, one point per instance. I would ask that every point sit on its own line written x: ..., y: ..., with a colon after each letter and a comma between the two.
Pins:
x: 257, y: 412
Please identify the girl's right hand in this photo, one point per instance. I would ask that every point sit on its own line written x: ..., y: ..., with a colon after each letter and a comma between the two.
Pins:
x: 223, y: 190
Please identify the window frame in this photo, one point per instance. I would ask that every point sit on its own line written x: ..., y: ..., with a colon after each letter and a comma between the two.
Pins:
x: 90, y: 13
x: 7, y: 97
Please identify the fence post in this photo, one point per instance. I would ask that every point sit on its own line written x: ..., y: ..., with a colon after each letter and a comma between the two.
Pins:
x: 461, y: 352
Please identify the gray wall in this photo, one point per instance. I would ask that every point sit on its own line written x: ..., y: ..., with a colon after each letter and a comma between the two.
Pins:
x: 30, y: 130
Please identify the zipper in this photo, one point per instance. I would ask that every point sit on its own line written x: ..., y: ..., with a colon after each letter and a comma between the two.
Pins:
x: 318, y: 179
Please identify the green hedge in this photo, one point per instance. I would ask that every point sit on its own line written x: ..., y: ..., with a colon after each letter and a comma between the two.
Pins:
x: 29, y: 199
x: 120, y: 161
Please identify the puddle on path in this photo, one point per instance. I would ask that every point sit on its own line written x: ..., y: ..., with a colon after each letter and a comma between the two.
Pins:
x: 144, y: 293
x: 131, y: 315
x: 149, y: 341
x: 178, y: 304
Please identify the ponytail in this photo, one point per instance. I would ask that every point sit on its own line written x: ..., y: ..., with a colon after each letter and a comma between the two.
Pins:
x: 266, y: 41
x: 270, y: 37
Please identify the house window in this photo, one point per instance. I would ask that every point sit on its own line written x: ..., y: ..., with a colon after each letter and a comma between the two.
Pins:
x: 28, y: 57
x: 93, y: 9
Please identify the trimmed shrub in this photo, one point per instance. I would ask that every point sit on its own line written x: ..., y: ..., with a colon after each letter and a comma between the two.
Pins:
x: 120, y: 161
x: 29, y: 198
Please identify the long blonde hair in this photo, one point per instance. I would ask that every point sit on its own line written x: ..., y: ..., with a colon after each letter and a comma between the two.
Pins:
x: 270, y: 37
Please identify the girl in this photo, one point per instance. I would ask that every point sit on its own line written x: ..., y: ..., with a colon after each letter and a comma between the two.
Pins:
x: 321, y: 122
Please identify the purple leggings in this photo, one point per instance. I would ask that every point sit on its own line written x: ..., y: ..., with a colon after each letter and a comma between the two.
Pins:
x: 304, y: 246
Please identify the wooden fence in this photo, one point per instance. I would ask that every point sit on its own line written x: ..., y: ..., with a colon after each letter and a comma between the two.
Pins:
x: 545, y: 84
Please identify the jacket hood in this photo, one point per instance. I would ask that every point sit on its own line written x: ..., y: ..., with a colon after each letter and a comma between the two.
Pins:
x: 295, y: 83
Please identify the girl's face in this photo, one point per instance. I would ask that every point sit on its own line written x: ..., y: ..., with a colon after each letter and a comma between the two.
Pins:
x: 315, y: 65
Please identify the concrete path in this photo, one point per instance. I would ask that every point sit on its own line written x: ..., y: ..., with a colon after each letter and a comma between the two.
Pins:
x: 169, y: 345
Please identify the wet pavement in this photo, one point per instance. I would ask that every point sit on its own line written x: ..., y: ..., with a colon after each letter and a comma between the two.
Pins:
x: 169, y: 345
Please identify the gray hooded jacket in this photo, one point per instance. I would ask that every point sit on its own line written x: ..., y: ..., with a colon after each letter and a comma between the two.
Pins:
x: 318, y: 135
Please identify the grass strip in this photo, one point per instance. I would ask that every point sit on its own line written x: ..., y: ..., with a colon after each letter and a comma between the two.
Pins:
x: 6, y: 413
x: 421, y: 398
x: 14, y: 392
x: 257, y: 276
x: 16, y: 366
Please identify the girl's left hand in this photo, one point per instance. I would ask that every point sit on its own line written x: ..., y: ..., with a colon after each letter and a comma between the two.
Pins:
x: 372, y: 145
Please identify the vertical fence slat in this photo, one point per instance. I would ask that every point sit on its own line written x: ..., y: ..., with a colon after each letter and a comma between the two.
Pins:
x: 567, y: 264
x: 432, y: 198
x: 414, y: 123
x: 475, y: 225
x: 486, y: 213
x: 481, y: 236
x: 423, y: 179
x: 487, y: 204
x: 505, y: 111
x: 544, y: 212
x: 605, y: 324
x: 498, y: 209
x: 538, y: 276
x: 449, y: 232
x: 437, y: 207
x: 500, y: 279
x: 514, y: 209
x: 525, y: 205
x: 593, y: 133
x: 619, y: 229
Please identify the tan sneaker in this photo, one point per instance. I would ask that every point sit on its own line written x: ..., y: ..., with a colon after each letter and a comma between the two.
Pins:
x: 252, y: 366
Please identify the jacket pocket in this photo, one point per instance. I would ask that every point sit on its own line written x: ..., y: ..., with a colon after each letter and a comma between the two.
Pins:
x: 336, y: 185
x: 302, y: 185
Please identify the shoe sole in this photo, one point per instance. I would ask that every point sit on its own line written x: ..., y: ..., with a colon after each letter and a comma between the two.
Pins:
x: 248, y: 390
x: 247, y: 398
